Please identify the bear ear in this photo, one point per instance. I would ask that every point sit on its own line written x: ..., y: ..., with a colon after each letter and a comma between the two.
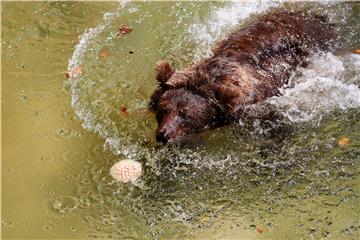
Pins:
x: 163, y: 72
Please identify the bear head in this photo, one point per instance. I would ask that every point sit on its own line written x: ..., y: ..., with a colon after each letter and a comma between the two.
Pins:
x: 181, y: 109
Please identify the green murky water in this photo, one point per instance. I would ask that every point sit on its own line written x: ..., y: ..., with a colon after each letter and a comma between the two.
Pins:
x: 289, y: 179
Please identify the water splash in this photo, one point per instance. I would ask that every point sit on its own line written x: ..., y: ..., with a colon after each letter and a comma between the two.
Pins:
x: 230, y: 168
x: 222, y: 20
x: 322, y: 87
x: 86, y: 115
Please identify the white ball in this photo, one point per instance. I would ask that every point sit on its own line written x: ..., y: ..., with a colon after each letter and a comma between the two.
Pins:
x: 126, y: 170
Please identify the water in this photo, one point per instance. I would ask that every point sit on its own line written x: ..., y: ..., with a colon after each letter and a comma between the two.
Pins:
x: 285, y: 179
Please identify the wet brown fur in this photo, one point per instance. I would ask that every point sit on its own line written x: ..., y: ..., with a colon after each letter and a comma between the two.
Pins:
x: 247, y: 67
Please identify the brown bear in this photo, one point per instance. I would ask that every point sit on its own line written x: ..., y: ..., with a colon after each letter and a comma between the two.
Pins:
x: 247, y: 67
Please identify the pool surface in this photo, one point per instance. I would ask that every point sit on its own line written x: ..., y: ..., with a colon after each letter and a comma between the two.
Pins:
x: 293, y: 178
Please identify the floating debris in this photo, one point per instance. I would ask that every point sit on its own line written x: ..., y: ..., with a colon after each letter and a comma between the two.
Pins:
x: 260, y: 229
x: 75, y: 71
x: 124, y: 29
x: 103, y: 54
x: 344, y: 141
x: 123, y: 110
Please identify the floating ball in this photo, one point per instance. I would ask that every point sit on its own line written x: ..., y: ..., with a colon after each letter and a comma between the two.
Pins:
x: 126, y: 170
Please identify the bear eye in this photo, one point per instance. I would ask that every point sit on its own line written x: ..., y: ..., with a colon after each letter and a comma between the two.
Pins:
x: 181, y: 113
x: 161, y: 112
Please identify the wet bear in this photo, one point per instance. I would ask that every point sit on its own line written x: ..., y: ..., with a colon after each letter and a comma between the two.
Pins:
x: 247, y: 67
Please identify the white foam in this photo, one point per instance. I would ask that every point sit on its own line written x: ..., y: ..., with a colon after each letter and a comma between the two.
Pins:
x: 321, y: 88
x: 221, y: 21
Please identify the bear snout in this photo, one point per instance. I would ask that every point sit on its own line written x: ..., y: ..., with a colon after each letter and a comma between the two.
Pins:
x: 162, y: 137
x: 169, y: 129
